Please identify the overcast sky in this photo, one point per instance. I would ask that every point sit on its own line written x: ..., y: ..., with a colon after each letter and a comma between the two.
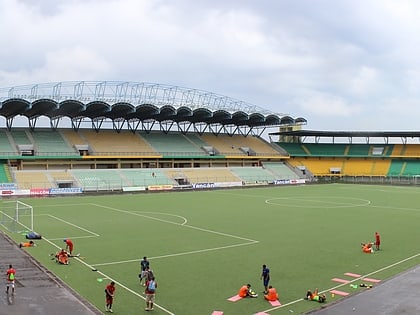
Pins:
x: 342, y: 65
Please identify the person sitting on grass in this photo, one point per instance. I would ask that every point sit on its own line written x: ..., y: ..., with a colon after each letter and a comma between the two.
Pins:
x: 367, y: 248
x: 272, y: 294
x: 315, y: 296
x: 246, y: 291
x: 27, y: 244
x: 62, y: 257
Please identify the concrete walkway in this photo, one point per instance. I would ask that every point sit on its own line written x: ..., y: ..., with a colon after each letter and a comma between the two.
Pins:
x: 37, y: 291
x: 396, y: 296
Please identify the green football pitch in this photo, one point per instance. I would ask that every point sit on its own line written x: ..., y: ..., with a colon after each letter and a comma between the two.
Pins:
x: 204, y: 245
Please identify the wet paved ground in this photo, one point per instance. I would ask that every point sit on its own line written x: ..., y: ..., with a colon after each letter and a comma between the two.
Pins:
x: 396, y: 296
x: 37, y: 291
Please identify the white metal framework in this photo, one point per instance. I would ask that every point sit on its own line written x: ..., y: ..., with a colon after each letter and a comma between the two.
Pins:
x: 17, y: 216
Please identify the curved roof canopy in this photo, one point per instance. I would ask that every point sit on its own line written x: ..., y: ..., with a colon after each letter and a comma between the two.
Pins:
x: 133, y: 103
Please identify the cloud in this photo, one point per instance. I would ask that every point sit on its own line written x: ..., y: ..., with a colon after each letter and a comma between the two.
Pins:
x: 326, y: 105
x: 332, y: 59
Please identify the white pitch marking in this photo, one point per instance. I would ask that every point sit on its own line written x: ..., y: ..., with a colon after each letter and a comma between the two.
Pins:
x: 344, y: 284
x: 177, y: 254
x: 117, y: 282
x: 76, y: 226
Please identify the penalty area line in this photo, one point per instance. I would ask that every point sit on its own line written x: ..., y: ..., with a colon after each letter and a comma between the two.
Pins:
x: 93, y: 268
x: 179, y: 254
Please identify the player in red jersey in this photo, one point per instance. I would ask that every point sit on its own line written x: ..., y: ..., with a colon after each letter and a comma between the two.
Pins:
x: 109, y: 296
x: 377, y: 240
x: 10, y: 273
x: 69, y: 246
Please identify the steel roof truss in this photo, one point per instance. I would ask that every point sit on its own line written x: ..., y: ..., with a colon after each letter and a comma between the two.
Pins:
x: 200, y: 128
x: 97, y: 123
x: 166, y: 126
x: 54, y: 121
x: 32, y: 122
x: 75, y: 122
x: 184, y: 126
x: 118, y: 124
x: 133, y: 125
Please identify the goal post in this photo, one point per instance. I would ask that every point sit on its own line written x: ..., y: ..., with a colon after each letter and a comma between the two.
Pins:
x: 17, y: 216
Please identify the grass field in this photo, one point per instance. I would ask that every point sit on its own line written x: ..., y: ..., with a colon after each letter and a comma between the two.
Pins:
x: 204, y: 245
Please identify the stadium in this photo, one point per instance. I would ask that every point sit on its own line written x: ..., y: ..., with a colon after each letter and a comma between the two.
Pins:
x: 115, y: 154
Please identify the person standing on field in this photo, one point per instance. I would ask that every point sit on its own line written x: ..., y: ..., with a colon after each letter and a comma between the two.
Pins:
x: 69, y: 246
x: 265, y: 276
x: 150, y: 291
x: 377, y: 240
x: 144, y: 266
x: 109, y: 296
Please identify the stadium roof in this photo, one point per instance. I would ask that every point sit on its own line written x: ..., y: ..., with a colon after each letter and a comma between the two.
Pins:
x: 317, y: 134
x: 138, y: 105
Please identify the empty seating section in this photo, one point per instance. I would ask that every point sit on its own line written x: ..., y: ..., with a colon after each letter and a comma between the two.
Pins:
x: 261, y: 147
x: 257, y: 145
x: 339, y: 150
x: 358, y: 167
x: 146, y: 177
x: 20, y: 137
x: 110, y: 142
x: 58, y: 176
x: 326, y: 149
x: 412, y: 168
x: 196, y: 140
x: 318, y: 167
x: 32, y: 179
x: 49, y: 142
x: 396, y: 168
x: 4, y: 174
x: 99, y: 179
x: 347, y: 167
x: 6, y: 147
x: 412, y: 150
x: 73, y: 137
x: 252, y: 175
x: 280, y: 170
x: 174, y: 144
x: 294, y: 149
x: 203, y: 175
x: 358, y: 150
x: 398, y: 150
x: 223, y: 143
x: 140, y: 149
x: 380, y: 167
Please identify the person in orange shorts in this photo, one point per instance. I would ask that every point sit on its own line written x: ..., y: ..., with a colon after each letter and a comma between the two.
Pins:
x: 367, y: 248
x: 272, y: 294
x: 27, y: 244
x: 246, y: 291
x: 62, y: 257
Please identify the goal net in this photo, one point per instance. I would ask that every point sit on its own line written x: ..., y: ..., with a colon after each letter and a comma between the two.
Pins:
x: 17, y: 216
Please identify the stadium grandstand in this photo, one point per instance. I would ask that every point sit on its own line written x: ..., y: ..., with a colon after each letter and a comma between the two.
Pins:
x: 117, y: 136
x: 129, y: 136
x: 355, y: 156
